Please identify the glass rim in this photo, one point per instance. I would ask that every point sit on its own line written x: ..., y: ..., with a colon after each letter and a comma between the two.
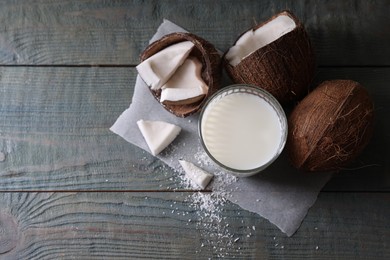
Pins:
x: 272, y: 101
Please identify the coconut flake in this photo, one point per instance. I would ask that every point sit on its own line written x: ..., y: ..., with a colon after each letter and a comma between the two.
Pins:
x: 196, y: 174
x: 186, y: 85
x: 157, y: 69
x: 158, y: 134
x: 253, y: 40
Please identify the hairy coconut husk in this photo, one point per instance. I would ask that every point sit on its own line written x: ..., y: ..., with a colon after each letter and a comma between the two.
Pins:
x: 211, y: 69
x: 284, y: 67
x: 330, y: 127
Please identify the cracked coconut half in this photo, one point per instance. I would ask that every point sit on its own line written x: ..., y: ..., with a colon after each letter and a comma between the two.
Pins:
x: 181, y: 70
x: 275, y: 55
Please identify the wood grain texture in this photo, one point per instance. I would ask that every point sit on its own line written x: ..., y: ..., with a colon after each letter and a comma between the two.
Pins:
x: 54, y: 132
x: 54, y: 127
x: 58, y: 99
x: 167, y: 225
x: 100, y: 32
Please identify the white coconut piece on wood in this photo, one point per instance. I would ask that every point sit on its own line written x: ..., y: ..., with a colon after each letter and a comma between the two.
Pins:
x: 157, y: 69
x: 158, y: 134
x: 186, y: 86
x: 252, y: 40
x: 196, y: 174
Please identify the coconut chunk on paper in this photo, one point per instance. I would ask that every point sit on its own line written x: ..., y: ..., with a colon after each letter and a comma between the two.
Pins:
x: 158, y: 134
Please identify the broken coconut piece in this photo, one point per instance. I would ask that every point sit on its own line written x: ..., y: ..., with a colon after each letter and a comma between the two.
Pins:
x: 258, y: 38
x: 275, y: 55
x: 157, y: 69
x: 158, y: 134
x: 196, y: 174
x: 186, y: 85
x: 211, y: 69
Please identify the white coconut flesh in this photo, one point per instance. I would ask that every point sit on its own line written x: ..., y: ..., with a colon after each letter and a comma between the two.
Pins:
x: 158, y: 134
x: 253, y: 40
x: 185, y: 84
x: 196, y: 174
x: 175, y: 73
x: 157, y: 69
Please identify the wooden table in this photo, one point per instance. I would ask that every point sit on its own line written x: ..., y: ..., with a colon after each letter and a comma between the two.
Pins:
x: 71, y: 189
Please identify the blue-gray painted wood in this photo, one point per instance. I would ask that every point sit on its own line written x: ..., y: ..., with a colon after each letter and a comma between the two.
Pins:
x: 97, y: 32
x: 54, y: 136
x: 168, y: 226
x: 54, y: 132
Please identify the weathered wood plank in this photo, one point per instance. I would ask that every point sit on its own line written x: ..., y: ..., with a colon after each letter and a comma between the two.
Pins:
x: 115, y: 32
x: 170, y: 225
x: 54, y: 127
x: 54, y: 132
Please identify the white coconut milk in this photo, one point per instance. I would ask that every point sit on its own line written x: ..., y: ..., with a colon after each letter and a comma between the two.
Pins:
x: 242, y: 131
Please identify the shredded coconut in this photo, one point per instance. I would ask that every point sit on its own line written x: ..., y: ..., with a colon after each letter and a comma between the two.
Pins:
x: 202, y: 158
x: 211, y: 223
x: 209, y: 207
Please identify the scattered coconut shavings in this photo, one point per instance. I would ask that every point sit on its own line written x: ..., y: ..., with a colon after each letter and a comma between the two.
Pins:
x: 209, y: 208
x: 221, y: 181
x: 202, y: 158
x: 215, y: 231
x: 211, y: 223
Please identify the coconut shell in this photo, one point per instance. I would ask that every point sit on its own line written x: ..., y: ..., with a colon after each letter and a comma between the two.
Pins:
x: 211, y: 69
x: 330, y: 127
x: 284, y: 67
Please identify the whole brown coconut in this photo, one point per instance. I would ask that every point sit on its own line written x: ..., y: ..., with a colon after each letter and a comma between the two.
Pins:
x: 211, y: 68
x: 330, y: 126
x: 284, y: 67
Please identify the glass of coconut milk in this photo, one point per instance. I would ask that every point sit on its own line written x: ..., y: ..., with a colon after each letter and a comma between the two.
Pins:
x: 243, y: 129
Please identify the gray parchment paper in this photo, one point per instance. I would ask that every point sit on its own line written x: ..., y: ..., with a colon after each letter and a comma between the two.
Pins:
x: 280, y: 194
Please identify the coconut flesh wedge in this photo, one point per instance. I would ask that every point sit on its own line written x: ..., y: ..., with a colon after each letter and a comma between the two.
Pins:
x: 186, y: 86
x: 184, y: 103
x: 158, y: 134
x: 276, y: 56
x: 196, y: 174
x: 157, y: 69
